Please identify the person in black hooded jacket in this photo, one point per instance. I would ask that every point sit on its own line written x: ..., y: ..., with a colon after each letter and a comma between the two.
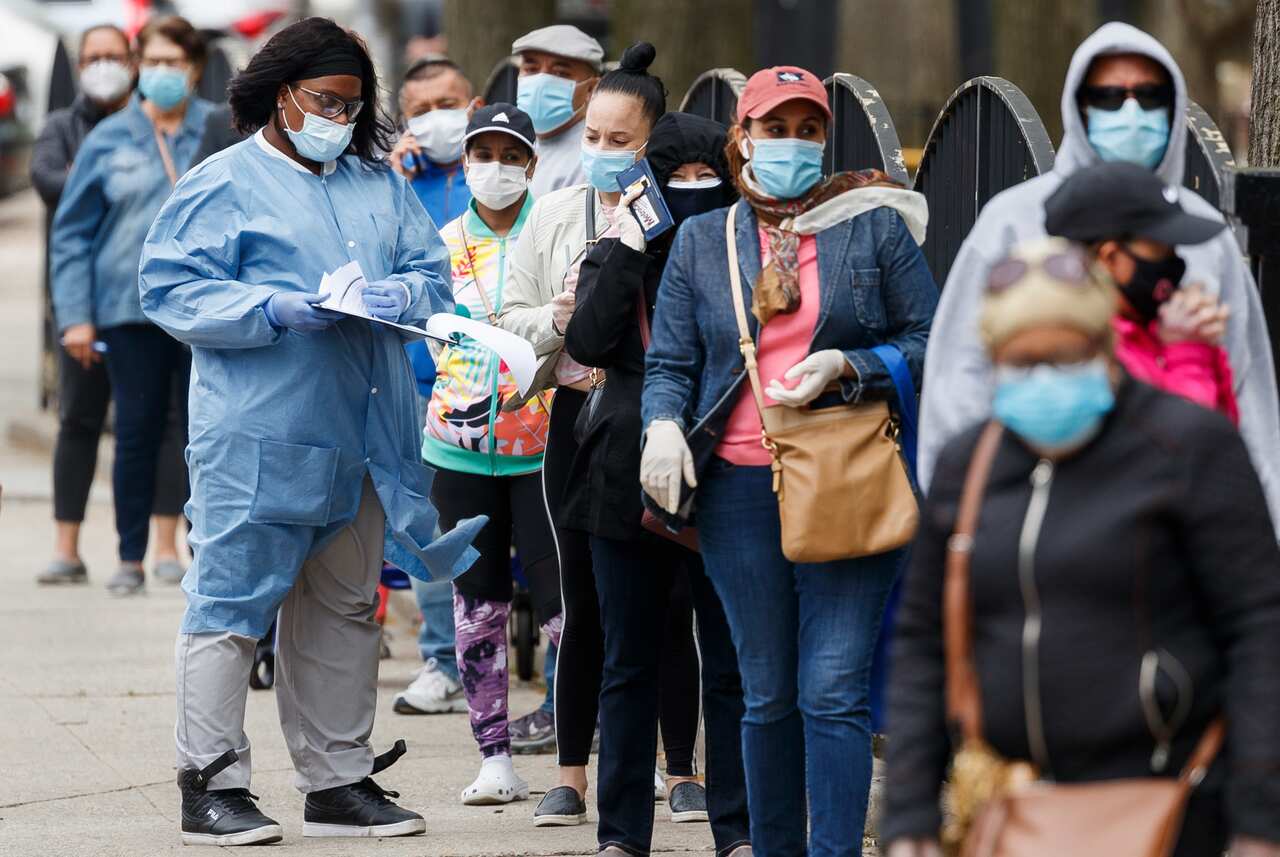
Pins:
x: 636, y: 570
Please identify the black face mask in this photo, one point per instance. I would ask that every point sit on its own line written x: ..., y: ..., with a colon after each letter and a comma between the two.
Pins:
x: 686, y: 202
x: 1152, y: 283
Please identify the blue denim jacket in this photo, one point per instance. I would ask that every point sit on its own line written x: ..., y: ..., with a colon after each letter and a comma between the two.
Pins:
x: 116, y: 187
x: 875, y: 289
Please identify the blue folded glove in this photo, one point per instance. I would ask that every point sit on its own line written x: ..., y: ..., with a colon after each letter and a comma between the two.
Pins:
x: 386, y: 299
x: 294, y: 310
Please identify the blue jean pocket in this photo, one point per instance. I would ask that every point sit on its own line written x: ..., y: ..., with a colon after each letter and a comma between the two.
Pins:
x: 295, y: 484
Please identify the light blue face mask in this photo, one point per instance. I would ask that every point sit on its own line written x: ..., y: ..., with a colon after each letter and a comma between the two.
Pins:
x: 1130, y: 133
x: 320, y: 139
x: 164, y: 87
x: 547, y: 99
x: 786, y: 168
x: 1054, y: 408
x: 601, y: 167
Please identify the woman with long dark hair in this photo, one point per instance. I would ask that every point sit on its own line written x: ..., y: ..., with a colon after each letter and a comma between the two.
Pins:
x: 304, y: 452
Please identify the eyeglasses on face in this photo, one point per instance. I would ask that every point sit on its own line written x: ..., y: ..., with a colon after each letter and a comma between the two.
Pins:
x: 330, y: 106
x: 1150, y: 96
x: 1069, y: 268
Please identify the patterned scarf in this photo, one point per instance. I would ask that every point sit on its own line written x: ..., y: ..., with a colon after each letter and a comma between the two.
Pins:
x: 777, y: 289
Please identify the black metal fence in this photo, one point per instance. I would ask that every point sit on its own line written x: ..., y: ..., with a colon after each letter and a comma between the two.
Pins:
x: 1209, y: 161
x: 714, y: 94
x: 862, y: 135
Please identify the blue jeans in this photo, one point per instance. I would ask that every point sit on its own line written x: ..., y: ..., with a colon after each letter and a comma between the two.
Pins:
x: 435, y: 640
x: 805, y: 636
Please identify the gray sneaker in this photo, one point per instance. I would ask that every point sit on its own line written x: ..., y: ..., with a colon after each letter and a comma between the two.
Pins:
x: 169, y: 571
x: 128, y: 580
x: 560, y: 807
x: 687, y: 802
x: 534, y: 733
x: 60, y: 571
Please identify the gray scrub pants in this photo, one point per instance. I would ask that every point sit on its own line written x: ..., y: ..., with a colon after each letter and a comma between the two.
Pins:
x: 326, y: 669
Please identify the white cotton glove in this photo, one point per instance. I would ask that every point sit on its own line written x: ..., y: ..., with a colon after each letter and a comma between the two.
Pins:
x: 630, y: 232
x: 562, y: 310
x: 665, y: 460
x: 815, y: 372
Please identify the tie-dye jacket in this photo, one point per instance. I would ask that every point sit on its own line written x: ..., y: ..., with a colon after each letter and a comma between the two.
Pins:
x: 466, y: 429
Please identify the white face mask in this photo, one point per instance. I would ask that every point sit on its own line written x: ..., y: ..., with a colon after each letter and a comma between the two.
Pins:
x: 697, y: 184
x: 106, y: 81
x: 496, y: 185
x: 440, y: 134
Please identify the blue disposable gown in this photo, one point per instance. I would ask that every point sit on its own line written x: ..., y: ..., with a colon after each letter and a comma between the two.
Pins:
x: 285, y: 425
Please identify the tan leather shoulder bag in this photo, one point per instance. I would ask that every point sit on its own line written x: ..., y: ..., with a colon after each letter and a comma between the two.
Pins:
x: 838, y: 472
x: 1002, y: 809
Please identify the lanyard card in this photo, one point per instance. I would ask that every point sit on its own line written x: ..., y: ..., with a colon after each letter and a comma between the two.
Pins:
x: 650, y: 209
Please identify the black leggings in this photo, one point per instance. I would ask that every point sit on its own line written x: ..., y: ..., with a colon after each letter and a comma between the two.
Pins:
x: 83, y: 396
x: 580, y: 660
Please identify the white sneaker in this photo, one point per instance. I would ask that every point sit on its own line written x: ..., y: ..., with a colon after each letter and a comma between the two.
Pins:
x: 659, y: 787
x: 497, y: 783
x: 432, y: 692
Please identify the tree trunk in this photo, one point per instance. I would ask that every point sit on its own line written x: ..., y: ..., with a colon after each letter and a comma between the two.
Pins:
x: 1264, y: 118
x: 691, y: 36
x: 913, y: 91
x: 1034, y: 41
x: 480, y: 32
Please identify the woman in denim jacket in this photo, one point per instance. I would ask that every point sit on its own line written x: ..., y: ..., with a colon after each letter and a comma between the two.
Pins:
x: 846, y: 275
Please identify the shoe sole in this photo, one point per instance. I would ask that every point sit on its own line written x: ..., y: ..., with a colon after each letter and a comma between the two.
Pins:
x: 62, y: 581
x: 258, y: 836
x: 125, y: 592
x: 403, y: 706
x: 690, y: 816
x: 410, y: 827
x: 559, y: 820
x: 544, y: 746
x: 495, y: 800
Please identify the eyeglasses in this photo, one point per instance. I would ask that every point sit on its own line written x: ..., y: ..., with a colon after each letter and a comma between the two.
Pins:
x: 1150, y: 96
x: 331, y: 107
x: 1069, y: 268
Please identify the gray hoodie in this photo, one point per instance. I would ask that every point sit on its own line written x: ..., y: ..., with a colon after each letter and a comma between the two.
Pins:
x: 957, y: 374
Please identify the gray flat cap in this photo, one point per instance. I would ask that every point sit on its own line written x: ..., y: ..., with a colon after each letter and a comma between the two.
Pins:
x: 563, y: 40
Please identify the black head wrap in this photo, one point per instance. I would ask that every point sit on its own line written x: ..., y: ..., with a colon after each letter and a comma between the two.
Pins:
x: 338, y: 58
x: 683, y: 138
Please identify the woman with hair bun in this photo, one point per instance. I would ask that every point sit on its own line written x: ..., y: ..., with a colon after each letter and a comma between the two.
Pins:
x: 587, y: 310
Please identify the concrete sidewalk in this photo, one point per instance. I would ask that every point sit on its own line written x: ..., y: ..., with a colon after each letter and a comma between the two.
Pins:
x: 87, y: 704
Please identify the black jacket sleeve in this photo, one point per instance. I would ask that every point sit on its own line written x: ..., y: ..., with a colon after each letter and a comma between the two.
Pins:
x: 1236, y: 563
x: 919, y: 749
x: 610, y: 283
x: 51, y: 158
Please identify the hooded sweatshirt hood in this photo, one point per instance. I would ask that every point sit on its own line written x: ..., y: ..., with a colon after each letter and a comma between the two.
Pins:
x: 1108, y: 40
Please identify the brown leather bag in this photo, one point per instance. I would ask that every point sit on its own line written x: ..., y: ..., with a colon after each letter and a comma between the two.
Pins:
x: 1001, y: 808
x: 838, y: 472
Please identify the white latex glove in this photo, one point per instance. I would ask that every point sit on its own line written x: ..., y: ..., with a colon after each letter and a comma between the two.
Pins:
x: 914, y: 848
x: 815, y: 372
x: 629, y: 230
x: 665, y: 460
x: 562, y: 310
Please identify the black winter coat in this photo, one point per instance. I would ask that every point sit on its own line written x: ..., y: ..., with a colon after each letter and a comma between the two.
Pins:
x: 1155, y: 537
x: 64, y: 130
x: 602, y: 496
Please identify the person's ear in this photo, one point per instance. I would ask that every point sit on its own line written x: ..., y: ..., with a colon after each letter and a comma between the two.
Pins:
x: 533, y: 165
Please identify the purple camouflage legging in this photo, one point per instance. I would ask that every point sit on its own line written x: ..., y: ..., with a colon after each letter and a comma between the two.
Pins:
x: 481, y: 633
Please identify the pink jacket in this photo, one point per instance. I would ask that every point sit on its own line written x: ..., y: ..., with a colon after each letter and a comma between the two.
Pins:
x: 1193, y: 370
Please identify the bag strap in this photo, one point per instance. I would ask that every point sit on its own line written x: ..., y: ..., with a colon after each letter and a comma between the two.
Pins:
x: 746, y: 344
x: 589, y: 226
x: 475, y: 274
x: 165, y: 157
x: 891, y: 356
x: 964, y: 704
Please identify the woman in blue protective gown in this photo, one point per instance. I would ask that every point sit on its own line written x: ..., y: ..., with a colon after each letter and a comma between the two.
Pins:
x: 304, y: 445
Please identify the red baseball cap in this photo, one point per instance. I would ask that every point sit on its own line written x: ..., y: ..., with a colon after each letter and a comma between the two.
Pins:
x: 769, y: 87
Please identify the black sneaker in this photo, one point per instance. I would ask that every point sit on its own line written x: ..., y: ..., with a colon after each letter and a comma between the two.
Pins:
x: 687, y: 802
x: 361, y: 809
x: 560, y: 807
x: 221, y: 816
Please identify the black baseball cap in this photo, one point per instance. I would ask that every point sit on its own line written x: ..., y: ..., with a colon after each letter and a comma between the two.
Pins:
x: 1118, y: 200
x: 503, y: 117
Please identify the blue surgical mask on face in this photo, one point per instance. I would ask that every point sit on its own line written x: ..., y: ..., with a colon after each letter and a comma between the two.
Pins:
x: 1130, y: 133
x: 164, y: 87
x: 1054, y: 408
x: 785, y: 168
x: 601, y: 167
x: 547, y: 99
x: 320, y: 139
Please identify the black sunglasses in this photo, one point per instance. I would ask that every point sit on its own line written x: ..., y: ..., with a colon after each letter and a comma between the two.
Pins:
x: 1150, y: 96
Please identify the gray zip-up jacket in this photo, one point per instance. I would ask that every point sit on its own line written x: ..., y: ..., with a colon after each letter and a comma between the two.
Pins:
x: 957, y: 374
x: 60, y: 138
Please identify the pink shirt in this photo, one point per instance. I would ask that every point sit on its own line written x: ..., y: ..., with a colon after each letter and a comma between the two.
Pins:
x: 1193, y: 370
x: 780, y: 344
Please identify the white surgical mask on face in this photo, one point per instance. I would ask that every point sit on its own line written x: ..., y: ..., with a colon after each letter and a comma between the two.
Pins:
x: 696, y: 184
x: 496, y: 185
x: 105, y: 81
x: 440, y: 134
